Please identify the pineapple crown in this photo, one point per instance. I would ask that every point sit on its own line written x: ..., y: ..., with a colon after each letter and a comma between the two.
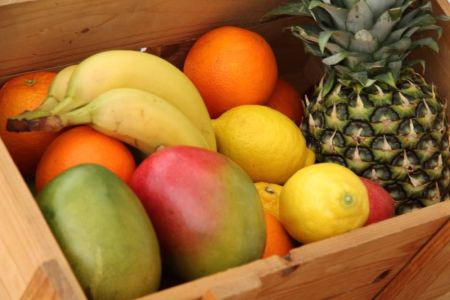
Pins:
x: 363, y: 41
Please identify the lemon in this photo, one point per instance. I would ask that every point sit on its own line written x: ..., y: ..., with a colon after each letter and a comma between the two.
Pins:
x: 264, y: 142
x: 269, y: 193
x: 310, y: 158
x: 321, y: 201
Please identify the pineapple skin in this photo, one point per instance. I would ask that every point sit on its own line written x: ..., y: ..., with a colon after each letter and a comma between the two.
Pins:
x: 397, y: 137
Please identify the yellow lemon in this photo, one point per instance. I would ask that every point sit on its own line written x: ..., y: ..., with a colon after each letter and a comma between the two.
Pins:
x: 269, y: 193
x: 310, y: 158
x: 321, y: 201
x: 264, y: 142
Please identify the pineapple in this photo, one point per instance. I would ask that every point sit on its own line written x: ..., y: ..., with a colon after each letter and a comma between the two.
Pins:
x: 372, y: 112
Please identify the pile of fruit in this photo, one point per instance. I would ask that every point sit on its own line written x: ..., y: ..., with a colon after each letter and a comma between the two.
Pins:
x: 146, y: 173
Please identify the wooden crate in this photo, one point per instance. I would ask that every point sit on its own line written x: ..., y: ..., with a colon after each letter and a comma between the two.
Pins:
x: 406, y: 257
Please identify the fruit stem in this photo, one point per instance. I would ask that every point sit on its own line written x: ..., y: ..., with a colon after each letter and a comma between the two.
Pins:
x: 78, y: 116
x: 30, y: 115
x: 48, y: 103
x: 50, y: 123
x: 63, y: 106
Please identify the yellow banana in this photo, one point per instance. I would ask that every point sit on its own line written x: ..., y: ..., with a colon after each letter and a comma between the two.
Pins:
x: 133, y: 69
x: 139, y: 118
x: 56, y: 93
x: 58, y: 88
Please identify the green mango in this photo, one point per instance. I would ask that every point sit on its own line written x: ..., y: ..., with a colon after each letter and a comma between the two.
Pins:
x: 104, y: 232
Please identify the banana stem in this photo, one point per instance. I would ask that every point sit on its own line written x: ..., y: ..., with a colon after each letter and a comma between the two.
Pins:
x: 63, y: 106
x: 48, y: 103
x: 29, y: 115
x: 78, y: 116
x: 50, y: 123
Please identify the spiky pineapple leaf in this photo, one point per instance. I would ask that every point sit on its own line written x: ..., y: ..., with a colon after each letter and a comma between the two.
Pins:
x: 396, y: 68
x: 408, y: 18
x: 362, y: 78
x: 343, y: 70
x: 356, y: 59
x: 349, y: 3
x: 396, y: 35
x: 378, y: 7
x: 387, y: 78
x: 324, y: 37
x: 436, y: 28
x: 376, y: 64
x: 385, y: 23
x: 363, y: 41
x: 335, y: 58
x: 423, y: 20
x: 342, y: 38
x: 443, y: 18
x: 426, y: 42
x: 388, y: 51
x: 338, y: 14
x: 289, y: 9
x: 329, y: 83
x: 311, y: 33
x: 340, y: 3
x: 313, y: 49
x: 412, y: 31
x: 412, y: 63
x: 401, y: 2
x: 359, y: 17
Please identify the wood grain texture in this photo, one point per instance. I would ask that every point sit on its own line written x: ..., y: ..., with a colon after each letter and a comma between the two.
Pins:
x: 427, y: 275
x: 355, y: 265
x: 12, y: 2
x: 445, y: 6
x: 49, y: 283
x: 48, y: 33
x: 25, y: 239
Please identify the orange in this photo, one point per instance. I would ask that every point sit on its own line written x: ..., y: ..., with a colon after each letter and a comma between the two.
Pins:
x: 84, y: 145
x: 231, y: 66
x: 286, y: 100
x: 269, y: 193
x: 24, y: 92
x: 278, y: 242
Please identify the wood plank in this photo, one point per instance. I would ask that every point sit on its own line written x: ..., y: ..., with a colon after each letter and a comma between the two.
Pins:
x: 428, y: 274
x: 294, y: 66
x: 48, y: 34
x: 355, y: 265
x: 25, y: 239
x: 445, y: 6
x: 443, y: 297
x: 11, y: 2
x: 49, y: 282
x: 45, y: 33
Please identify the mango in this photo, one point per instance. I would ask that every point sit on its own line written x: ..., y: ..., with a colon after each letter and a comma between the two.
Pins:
x: 205, y: 209
x: 104, y: 232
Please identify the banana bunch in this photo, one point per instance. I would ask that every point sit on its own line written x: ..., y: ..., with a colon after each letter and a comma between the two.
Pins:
x: 136, y: 97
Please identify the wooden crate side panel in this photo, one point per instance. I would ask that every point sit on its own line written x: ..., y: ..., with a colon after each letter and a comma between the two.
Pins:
x: 49, y: 33
x: 355, y: 265
x: 357, y: 272
x: 25, y: 239
x: 49, y: 283
x: 427, y: 275
x: 11, y: 2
